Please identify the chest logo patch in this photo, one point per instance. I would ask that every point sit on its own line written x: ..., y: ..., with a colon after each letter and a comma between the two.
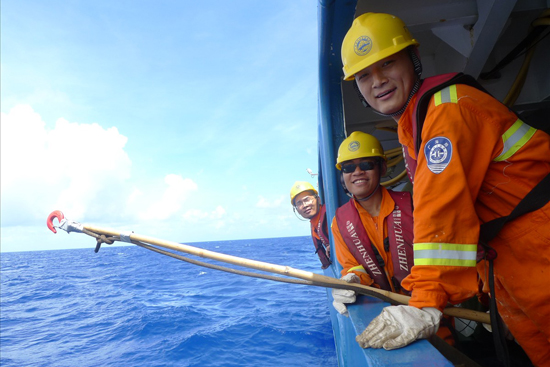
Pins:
x: 438, y: 152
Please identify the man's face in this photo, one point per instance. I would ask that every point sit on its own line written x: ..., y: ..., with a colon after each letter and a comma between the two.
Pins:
x: 386, y: 84
x: 361, y: 183
x: 307, y: 204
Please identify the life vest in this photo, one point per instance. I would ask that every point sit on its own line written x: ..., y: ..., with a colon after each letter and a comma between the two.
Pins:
x: 320, y: 245
x: 399, y: 242
x: 429, y: 87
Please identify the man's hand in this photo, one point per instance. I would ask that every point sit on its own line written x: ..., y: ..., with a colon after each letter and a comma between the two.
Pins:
x: 343, y: 296
x: 398, y: 326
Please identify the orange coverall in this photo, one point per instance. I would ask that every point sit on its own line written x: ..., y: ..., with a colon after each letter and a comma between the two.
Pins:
x: 478, y: 185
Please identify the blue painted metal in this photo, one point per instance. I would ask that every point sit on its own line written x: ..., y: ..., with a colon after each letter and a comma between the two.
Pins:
x: 345, y: 329
x: 420, y: 353
x: 335, y: 17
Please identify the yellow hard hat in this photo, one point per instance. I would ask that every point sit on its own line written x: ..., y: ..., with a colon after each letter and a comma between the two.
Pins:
x: 298, y: 188
x: 359, y: 145
x: 371, y: 38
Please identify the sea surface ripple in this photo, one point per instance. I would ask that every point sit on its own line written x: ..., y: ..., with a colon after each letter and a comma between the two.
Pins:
x: 127, y: 306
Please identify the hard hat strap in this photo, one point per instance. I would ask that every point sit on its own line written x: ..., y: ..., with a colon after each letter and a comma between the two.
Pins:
x: 368, y: 197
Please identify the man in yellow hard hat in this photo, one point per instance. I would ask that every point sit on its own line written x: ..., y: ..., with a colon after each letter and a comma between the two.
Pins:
x: 372, y: 232
x: 471, y: 161
x: 305, y: 200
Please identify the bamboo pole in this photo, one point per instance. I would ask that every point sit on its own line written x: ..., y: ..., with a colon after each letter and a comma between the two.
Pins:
x: 288, y: 271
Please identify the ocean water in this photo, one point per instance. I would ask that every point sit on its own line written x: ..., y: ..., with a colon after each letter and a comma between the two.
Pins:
x: 127, y: 306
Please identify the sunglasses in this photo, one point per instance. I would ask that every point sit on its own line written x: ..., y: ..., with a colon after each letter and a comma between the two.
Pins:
x: 363, y: 166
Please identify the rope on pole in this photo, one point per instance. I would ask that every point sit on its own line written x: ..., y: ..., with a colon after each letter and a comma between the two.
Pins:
x: 306, y: 278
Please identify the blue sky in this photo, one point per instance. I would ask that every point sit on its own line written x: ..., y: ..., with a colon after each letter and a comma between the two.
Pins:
x: 184, y: 120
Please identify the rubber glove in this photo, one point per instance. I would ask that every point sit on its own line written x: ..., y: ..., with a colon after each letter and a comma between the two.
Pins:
x: 398, y: 326
x: 342, y: 296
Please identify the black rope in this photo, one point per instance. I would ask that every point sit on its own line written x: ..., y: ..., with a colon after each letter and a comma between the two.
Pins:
x: 101, y: 239
x: 497, y: 325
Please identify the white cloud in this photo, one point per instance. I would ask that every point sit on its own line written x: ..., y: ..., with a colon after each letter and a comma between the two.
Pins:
x: 134, y: 196
x: 197, y: 215
x: 69, y: 167
x: 171, y: 200
x: 265, y: 203
x: 80, y: 169
x: 206, y: 220
x: 218, y: 213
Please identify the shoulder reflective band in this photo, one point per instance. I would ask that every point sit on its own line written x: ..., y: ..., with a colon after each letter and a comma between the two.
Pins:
x: 446, y: 95
x: 514, y: 138
x: 359, y: 268
x: 446, y: 254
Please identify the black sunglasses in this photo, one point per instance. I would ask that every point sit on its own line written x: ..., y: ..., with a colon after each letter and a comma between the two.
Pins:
x: 363, y: 166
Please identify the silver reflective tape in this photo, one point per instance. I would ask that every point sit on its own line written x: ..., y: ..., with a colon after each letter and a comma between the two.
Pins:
x: 125, y: 236
x: 445, y: 254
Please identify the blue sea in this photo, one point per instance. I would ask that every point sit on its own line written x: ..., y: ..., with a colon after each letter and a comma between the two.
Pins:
x: 127, y: 306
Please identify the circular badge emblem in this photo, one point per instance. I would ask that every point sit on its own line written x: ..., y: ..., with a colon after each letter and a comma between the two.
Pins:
x: 438, y: 152
x: 353, y: 146
x: 362, y: 46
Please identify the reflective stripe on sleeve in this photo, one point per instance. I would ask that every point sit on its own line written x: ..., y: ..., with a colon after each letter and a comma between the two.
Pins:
x: 359, y: 268
x: 446, y: 95
x: 514, y: 138
x: 446, y: 254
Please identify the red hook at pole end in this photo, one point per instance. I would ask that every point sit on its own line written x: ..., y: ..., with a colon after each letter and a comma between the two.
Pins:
x: 55, y: 214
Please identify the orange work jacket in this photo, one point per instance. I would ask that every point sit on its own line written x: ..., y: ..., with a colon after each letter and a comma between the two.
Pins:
x: 475, y: 163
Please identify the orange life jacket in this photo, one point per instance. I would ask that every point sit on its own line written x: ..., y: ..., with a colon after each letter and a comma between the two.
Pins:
x: 323, y: 242
x: 399, y: 242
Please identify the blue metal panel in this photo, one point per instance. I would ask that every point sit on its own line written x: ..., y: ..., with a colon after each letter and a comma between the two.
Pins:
x: 330, y: 108
x: 348, y: 351
x: 350, y: 354
x: 335, y: 17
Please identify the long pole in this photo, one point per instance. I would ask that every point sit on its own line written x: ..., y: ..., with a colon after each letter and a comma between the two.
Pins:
x: 288, y: 271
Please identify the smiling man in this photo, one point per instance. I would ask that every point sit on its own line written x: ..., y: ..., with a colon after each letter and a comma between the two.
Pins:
x: 305, y: 200
x: 372, y: 232
x: 472, y: 161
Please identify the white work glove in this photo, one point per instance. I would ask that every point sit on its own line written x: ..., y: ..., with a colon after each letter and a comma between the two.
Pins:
x: 398, y: 326
x: 342, y: 296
